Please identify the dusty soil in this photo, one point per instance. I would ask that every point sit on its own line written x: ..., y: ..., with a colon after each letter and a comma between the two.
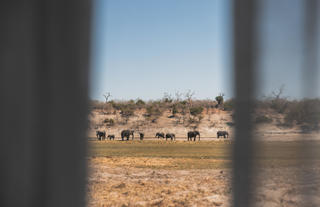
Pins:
x: 128, y: 186
x: 288, y: 187
x: 110, y: 185
x: 152, y: 173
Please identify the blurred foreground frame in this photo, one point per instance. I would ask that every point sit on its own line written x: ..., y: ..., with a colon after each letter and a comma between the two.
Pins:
x: 244, y: 57
x: 246, y: 53
x: 44, y: 101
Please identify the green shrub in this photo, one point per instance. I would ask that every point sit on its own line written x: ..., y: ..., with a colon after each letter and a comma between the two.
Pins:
x: 174, y: 109
x: 219, y: 99
x: 94, y: 104
x: 305, y: 112
x: 196, y: 110
x: 228, y: 105
x: 126, y: 111
x: 279, y: 105
x: 184, y: 102
x: 230, y: 124
x: 262, y: 119
x: 140, y: 102
x: 153, y: 111
x: 115, y: 105
x: 109, y: 122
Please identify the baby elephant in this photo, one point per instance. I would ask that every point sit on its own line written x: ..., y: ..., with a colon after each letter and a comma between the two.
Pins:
x: 160, y: 135
x: 223, y: 134
x: 111, y: 136
x: 101, y: 135
x: 170, y: 136
x: 141, y: 135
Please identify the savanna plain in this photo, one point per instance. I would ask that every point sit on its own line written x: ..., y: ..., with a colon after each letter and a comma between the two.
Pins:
x: 156, y: 172
x: 181, y: 173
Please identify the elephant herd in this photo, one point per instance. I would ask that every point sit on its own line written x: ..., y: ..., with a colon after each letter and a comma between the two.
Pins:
x: 126, y: 134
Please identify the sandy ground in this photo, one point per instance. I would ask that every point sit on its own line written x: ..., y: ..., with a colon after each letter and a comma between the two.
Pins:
x: 109, y: 185
x: 284, y: 187
x: 127, y: 186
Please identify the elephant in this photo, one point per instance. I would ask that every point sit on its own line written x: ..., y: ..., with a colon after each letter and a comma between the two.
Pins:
x: 111, y: 136
x: 127, y: 133
x: 101, y: 135
x: 225, y: 134
x: 141, y: 135
x: 193, y: 134
x: 159, y: 134
x: 171, y: 136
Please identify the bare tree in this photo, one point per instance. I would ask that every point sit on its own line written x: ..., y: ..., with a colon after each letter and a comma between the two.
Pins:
x: 107, y: 95
x: 167, y: 97
x: 277, y: 93
x: 278, y: 101
x: 189, y: 95
x: 106, y: 107
x: 178, y: 96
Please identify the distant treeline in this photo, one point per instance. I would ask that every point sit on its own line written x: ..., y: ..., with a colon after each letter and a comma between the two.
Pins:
x: 304, y: 113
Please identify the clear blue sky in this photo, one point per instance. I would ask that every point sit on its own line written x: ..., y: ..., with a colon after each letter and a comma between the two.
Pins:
x: 144, y: 48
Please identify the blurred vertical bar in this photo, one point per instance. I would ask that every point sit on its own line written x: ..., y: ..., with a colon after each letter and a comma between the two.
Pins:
x: 310, y: 89
x: 245, y: 53
x: 44, y: 57
x: 310, y: 69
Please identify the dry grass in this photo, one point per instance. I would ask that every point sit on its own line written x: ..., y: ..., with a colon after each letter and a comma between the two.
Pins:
x: 176, y: 154
x: 197, y: 155
x: 159, y: 173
